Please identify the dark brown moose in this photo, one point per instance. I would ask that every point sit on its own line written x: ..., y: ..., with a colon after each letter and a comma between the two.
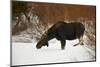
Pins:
x: 63, y: 31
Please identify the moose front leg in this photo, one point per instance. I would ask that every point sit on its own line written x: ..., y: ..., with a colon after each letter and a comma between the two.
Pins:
x: 63, y: 42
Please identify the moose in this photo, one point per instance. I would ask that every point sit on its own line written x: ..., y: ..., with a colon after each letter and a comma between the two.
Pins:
x: 63, y: 31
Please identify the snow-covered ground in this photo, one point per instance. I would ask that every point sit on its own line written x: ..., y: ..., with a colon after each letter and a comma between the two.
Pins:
x: 26, y: 53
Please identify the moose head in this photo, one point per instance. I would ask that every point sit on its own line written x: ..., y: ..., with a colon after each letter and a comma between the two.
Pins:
x: 43, y: 41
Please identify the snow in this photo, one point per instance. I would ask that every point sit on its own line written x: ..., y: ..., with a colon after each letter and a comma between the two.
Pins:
x: 26, y: 53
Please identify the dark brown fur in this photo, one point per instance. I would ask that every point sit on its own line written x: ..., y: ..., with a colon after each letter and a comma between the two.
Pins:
x: 62, y: 31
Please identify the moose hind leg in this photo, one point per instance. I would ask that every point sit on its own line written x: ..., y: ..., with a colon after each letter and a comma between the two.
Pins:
x: 80, y: 41
x: 63, y: 42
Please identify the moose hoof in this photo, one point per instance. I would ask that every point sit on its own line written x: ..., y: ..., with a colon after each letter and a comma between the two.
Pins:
x: 62, y: 48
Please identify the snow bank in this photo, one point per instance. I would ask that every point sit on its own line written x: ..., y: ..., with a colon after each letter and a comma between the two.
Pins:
x: 26, y: 53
